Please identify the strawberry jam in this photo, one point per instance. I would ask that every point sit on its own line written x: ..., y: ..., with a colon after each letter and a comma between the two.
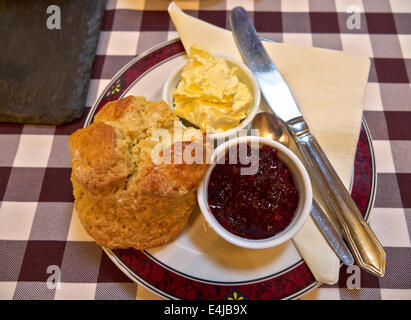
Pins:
x: 254, y: 206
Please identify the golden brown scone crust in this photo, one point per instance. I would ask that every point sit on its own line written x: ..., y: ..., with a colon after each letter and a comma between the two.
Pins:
x: 123, y: 199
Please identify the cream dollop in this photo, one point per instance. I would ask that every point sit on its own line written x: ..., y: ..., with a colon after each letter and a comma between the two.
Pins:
x: 210, y: 94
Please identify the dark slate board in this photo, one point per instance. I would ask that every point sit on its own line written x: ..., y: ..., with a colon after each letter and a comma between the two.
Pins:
x: 44, y: 74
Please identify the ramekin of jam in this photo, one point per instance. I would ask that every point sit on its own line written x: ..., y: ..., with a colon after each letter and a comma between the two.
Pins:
x: 256, y: 194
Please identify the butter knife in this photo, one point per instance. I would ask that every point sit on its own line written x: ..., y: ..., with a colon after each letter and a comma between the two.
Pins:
x: 367, y: 250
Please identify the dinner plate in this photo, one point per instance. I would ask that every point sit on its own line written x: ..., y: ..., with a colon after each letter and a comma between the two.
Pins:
x: 199, y: 264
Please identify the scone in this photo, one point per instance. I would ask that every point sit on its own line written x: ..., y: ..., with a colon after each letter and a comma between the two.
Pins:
x: 125, y: 199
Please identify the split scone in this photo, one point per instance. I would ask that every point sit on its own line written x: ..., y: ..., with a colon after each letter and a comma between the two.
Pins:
x: 125, y: 199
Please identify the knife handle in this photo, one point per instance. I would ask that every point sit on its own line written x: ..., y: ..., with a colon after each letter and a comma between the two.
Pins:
x: 366, y: 248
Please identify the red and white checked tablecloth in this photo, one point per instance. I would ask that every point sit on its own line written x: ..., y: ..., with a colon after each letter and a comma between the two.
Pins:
x: 38, y: 229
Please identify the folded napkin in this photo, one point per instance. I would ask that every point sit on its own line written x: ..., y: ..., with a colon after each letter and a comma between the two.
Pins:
x: 328, y: 86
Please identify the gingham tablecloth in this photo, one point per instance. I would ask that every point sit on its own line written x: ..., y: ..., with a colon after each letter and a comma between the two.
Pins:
x: 39, y: 233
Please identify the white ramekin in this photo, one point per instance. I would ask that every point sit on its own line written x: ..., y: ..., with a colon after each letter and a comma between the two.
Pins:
x: 301, y: 181
x: 175, y: 76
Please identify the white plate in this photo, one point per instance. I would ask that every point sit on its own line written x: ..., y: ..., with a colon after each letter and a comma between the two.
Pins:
x: 199, y: 263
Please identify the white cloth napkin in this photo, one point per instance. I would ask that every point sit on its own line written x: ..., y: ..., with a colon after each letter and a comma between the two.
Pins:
x: 328, y: 86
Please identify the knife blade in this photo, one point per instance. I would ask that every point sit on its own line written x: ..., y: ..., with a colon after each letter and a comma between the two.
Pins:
x: 366, y: 248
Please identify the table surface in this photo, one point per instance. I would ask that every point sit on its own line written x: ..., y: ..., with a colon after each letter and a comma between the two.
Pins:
x: 38, y: 231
